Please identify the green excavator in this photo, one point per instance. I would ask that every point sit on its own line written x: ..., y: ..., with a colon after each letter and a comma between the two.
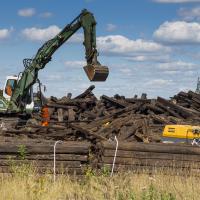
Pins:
x: 17, y: 95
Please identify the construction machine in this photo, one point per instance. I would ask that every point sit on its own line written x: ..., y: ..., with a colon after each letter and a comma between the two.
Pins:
x: 178, y: 133
x: 17, y: 95
x: 182, y: 133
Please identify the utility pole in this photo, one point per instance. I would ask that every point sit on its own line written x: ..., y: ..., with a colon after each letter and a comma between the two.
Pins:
x: 198, y: 86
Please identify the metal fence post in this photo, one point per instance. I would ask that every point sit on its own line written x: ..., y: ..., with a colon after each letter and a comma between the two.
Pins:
x: 54, y: 160
x: 113, y: 165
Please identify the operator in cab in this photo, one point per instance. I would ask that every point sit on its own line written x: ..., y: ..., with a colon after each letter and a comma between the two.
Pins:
x: 10, y: 85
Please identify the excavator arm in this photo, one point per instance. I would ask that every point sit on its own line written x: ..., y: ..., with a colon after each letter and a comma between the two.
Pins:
x: 94, y: 70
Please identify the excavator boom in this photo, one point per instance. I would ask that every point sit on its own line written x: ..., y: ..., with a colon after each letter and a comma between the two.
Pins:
x: 94, y: 70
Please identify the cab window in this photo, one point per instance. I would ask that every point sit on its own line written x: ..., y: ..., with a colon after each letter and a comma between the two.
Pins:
x: 10, y: 85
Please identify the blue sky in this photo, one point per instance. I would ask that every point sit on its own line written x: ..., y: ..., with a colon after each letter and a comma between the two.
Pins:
x: 150, y: 46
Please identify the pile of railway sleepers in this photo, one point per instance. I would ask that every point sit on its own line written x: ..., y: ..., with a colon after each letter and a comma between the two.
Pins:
x: 71, y: 157
x: 86, y: 124
x: 189, y: 100
x: 85, y: 117
x: 140, y: 156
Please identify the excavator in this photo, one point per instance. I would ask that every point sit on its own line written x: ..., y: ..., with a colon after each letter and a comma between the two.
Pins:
x: 181, y: 133
x: 17, y: 96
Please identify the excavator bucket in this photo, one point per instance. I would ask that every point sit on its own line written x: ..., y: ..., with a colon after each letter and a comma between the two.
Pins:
x: 96, y: 72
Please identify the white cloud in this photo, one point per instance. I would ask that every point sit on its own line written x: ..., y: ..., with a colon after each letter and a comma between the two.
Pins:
x: 176, y: 1
x: 46, y: 15
x: 75, y: 64
x: 111, y: 27
x: 173, y: 72
x: 5, y: 33
x: 154, y: 58
x: 178, y: 32
x: 120, y: 45
x: 177, y: 66
x: 190, y: 14
x: 159, y: 83
x: 27, y: 12
x: 44, y: 34
x: 126, y: 71
x: 39, y: 34
x: 137, y: 50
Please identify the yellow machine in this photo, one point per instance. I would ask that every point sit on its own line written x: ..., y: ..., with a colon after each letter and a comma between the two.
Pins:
x: 181, y: 133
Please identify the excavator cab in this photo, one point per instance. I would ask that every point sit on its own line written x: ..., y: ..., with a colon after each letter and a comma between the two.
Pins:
x: 10, y: 85
x: 9, y: 88
x: 96, y: 72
